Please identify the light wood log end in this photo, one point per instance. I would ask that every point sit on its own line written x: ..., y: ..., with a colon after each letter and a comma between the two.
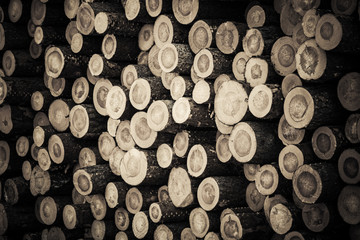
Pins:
x: 204, y: 63
x: 208, y: 193
x: 140, y: 131
x: 163, y: 31
x: 146, y: 37
x: 140, y: 225
x: 227, y: 37
x: 116, y: 101
x: 199, y: 222
x: 140, y: 94
x: 164, y: 155
x: 185, y: 12
x: 307, y: 184
x: 324, y: 143
x: 290, y: 158
x: 123, y: 136
x: 200, y: 36
x: 267, y: 179
x: 179, y: 186
x: 133, y: 167
x: 242, y: 142
x: 115, y: 160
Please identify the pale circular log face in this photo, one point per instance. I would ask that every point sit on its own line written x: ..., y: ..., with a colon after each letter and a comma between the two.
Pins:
x: 280, y: 218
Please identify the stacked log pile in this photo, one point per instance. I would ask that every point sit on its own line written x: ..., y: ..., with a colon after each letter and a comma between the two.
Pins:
x: 204, y: 119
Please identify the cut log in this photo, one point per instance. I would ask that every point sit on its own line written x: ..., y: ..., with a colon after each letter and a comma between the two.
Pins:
x: 13, y: 219
x: 71, y: 7
x: 186, y: 112
x: 187, y: 12
x: 289, y: 82
x: 316, y: 216
x: 119, y: 48
x: 60, y: 61
x: 328, y: 142
x: 115, y: 194
x: 352, y: 128
x: 13, y: 36
x: 254, y: 199
x: 166, y: 157
x: 153, y: 61
x: 302, y: 6
x: 219, y: 192
x: 283, y: 56
x: 77, y: 198
x: 166, y: 212
x: 34, y: 150
x: 36, y: 50
x: 117, y: 103
x: 259, y: 41
x: 135, y: 10
x: 242, y: 222
x: 348, y: 91
x: 113, y: 22
x: 266, y: 101
x: 86, y: 13
x: 259, y: 15
x: 103, y: 229
x: 76, y: 216
x: 271, y: 201
x: 16, y: 120
x: 58, y: 87
x: 85, y: 45
x: 169, y: 230
x: 250, y: 170
x: 132, y: 72
x: 194, y: 77
x: 26, y: 169
x: 123, y: 137
x: 70, y: 31
x: 140, y: 131
x: 142, y: 91
x: 106, y: 144
x: 100, y: 66
x: 260, y: 71
x: 175, y: 58
x: 63, y: 148
x: 98, y: 207
x: 292, y: 157
x: 16, y: 191
x: 222, y: 127
x: 210, y: 63
x: 202, y: 162
x: 142, y: 58
x: 181, y: 86
x: 284, y: 217
x: 222, y: 148
x: 347, y: 203
x: 289, y: 18
x: 310, y: 108
x: 81, y: 91
x: 41, y: 100
x: 187, y: 233
x: 267, y: 180
x: 19, y: 63
x: 163, y: 194
x: 185, y: 139
x: 50, y: 209
x: 239, y: 64
x: 89, y: 156
x: 112, y: 125
x: 182, y: 188
x: 230, y: 102
x: 309, y: 22
x: 154, y: 8
x: 47, y: 35
x: 18, y: 90
x: 40, y: 119
x: 159, y: 118
x: 254, y: 142
x: 348, y: 166
x: 47, y: 14
x: 115, y: 160
x: 168, y: 30
x: 44, y: 160
x: 202, y: 34
x: 146, y: 37
x: 299, y: 36
x: 212, y: 236
x: 140, y: 198
x: 334, y: 33
x: 123, y: 219
x: 288, y: 134
x: 93, y: 179
x: 17, y: 11
x: 101, y: 90
x: 343, y: 8
x: 229, y: 35
x: 316, y: 182
x: 202, y: 222
x: 142, y: 227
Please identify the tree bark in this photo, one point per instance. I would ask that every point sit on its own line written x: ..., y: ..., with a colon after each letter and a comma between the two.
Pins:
x: 76, y: 216
x: 140, y: 198
x: 345, y: 207
x: 119, y: 48
x: 115, y: 193
x: 19, y: 63
x: 47, y: 14
x: 176, y: 57
x: 101, y: 67
x: 16, y: 120
x: 85, y: 45
x: 166, y: 212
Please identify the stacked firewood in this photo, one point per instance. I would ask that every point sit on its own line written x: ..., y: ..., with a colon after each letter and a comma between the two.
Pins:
x: 204, y: 119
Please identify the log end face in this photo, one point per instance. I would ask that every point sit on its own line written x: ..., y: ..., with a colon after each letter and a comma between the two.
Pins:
x: 201, y: 92
x: 181, y: 110
x: 163, y: 31
x: 352, y: 128
x: 44, y: 160
x: 255, y: 17
x: 280, y: 218
x: 8, y: 62
x: 164, y: 155
x: 307, y: 184
x: 267, y: 179
x: 37, y: 100
x: 348, y: 91
x: 80, y: 90
x: 142, y: 134
x: 203, y: 63
x: 26, y: 170
x: 158, y: 115
x: 288, y: 134
x: 253, y: 42
x: 122, y: 220
x: 56, y: 149
x: 153, y: 7
x: 168, y: 57
x: 155, y: 212
x: 4, y: 156
x: 309, y: 22
x: 98, y: 206
x: 11, y: 194
x: 128, y: 76
x: 116, y: 101
x: 242, y: 142
x: 140, y: 94
x: 290, y: 158
x: 187, y: 233
x: 200, y: 36
x: 324, y: 143
x: 76, y: 42
x: 227, y: 37
x: 48, y: 210
x: 101, y: 90
x: 133, y: 200
x: 343, y: 7
x: 115, y: 159
x: 177, y: 87
x: 349, y: 166
x: 123, y: 136
x: 111, y: 195
x: 230, y: 227
x: 69, y: 217
x: 82, y: 182
x: 260, y: 101
x: 140, y: 225
x: 208, y: 194
x: 185, y: 11
x: 290, y: 82
x: 3, y: 220
x: 199, y: 222
x: 163, y: 232
x: 106, y: 145
x: 38, y: 35
x: 22, y: 146
x: 96, y: 65
x: 71, y: 7
x: 133, y: 167
x: 38, y: 136
x: 109, y: 46
x: 222, y: 148
x: 179, y: 186
x: 54, y: 62
x: 146, y: 37
x: 70, y: 31
x: 316, y: 216
x: 328, y: 32
x: 101, y: 22
x: 85, y: 19
x: 196, y: 160
x: 38, y: 12
x: 132, y: 9
x: 239, y: 64
x: 256, y: 71
x: 254, y: 199
x: 298, y: 107
x: 153, y: 60
x: 181, y: 143
x: 98, y: 229
x: 250, y: 171
x: 348, y: 204
x: 283, y: 54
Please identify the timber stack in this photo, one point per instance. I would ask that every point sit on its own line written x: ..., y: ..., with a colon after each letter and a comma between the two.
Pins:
x: 159, y: 119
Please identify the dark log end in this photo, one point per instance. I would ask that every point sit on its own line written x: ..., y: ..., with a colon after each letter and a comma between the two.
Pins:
x: 316, y: 216
x: 122, y: 220
x: 349, y: 166
x: 307, y: 184
x: 267, y: 179
x: 348, y: 204
x: 348, y: 91
x: 254, y: 199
